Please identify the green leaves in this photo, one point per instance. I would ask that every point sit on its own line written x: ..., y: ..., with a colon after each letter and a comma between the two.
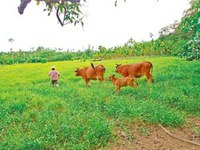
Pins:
x: 190, y: 26
x: 192, y: 48
x: 67, y: 12
x: 183, y: 38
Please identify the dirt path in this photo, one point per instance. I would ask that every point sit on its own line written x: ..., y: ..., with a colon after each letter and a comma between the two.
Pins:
x: 148, y: 137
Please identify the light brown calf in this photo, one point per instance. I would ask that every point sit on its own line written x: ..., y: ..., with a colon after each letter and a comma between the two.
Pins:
x: 119, y: 82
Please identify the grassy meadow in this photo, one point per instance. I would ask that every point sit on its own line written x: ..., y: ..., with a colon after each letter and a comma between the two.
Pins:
x: 33, y: 115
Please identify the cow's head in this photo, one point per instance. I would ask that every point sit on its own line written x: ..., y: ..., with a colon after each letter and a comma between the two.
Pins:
x: 78, y: 72
x: 100, y: 68
x: 118, y: 68
x: 111, y: 77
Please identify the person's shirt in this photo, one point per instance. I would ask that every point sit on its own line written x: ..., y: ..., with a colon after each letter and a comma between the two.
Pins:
x: 54, y: 74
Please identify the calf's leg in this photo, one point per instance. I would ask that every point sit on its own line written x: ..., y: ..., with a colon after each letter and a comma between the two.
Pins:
x: 131, y: 83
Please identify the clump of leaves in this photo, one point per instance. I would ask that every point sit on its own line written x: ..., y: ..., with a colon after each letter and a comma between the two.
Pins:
x: 190, y: 26
x: 192, y: 49
x: 67, y: 12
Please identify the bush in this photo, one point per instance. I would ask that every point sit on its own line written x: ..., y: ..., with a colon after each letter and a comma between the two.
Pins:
x: 192, y: 49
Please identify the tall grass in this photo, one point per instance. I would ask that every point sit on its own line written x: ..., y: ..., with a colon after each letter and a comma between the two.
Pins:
x: 33, y: 115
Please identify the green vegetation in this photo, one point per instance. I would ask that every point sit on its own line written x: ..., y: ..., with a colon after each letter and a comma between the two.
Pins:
x: 43, y: 55
x: 33, y: 115
x: 183, y: 39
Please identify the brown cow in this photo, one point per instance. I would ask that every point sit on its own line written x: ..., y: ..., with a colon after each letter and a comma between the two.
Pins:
x: 119, y: 82
x: 136, y: 70
x: 91, y: 73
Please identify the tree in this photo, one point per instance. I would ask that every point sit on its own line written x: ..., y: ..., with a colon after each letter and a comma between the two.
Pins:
x: 11, y: 40
x: 11, y: 49
x: 190, y: 28
x: 69, y: 10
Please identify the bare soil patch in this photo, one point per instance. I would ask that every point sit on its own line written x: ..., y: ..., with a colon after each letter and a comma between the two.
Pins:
x: 152, y: 137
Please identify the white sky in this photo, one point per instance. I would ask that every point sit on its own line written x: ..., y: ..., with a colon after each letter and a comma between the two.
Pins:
x: 104, y: 25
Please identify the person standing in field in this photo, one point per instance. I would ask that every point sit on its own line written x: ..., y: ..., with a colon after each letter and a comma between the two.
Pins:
x: 54, y: 76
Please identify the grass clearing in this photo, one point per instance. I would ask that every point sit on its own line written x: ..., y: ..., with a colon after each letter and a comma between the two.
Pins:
x: 33, y: 115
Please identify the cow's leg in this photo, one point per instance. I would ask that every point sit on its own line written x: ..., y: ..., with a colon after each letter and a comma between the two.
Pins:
x: 149, y: 77
x: 118, y: 89
x: 87, y: 82
x: 102, y: 79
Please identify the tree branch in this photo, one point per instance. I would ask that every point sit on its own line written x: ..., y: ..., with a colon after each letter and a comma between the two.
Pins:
x: 24, y: 3
x: 178, y: 138
x: 57, y: 15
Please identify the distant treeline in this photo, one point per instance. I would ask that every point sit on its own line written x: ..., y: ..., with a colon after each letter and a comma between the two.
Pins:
x: 178, y: 39
x: 42, y: 55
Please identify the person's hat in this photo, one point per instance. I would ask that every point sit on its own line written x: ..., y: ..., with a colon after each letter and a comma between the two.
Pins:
x: 53, y: 67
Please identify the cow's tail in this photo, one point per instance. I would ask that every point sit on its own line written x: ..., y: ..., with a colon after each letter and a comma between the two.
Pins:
x: 151, y: 69
x: 92, y: 65
x: 151, y: 66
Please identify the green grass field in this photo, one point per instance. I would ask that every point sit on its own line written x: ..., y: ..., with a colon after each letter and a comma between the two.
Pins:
x: 33, y: 115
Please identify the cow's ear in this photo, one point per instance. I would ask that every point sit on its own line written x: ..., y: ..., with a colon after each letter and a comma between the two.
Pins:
x: 117, y: 65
